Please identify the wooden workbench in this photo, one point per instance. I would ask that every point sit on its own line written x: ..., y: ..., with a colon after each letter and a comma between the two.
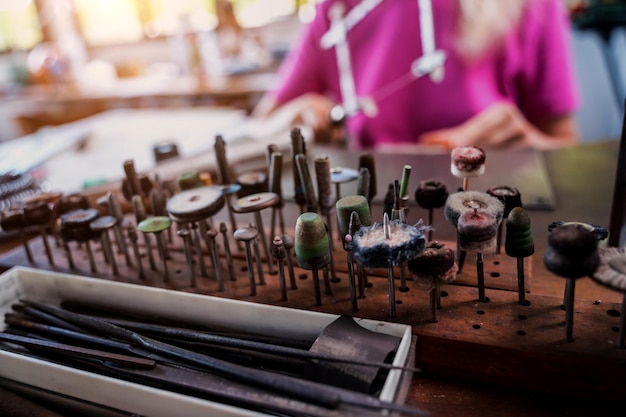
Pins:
x: 468, y: 384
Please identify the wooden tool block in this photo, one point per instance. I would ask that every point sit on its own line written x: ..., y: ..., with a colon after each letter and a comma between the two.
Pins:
x: 499, y: 341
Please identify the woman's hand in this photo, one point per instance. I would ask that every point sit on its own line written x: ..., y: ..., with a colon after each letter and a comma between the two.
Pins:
x: 311, y: 110
x: 504, y: 125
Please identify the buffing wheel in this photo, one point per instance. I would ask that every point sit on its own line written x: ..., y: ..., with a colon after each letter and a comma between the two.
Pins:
x: 467, y: 161
x: 611, y: 271
x: 373, y: 247
x: 431, y: 194
x: 195, y: 204
x: 435, y: 265
x: 509, y: 196
x: 477, y: 231
x: 463, y: 201
x: 572, y: 251
x: 75, y: 225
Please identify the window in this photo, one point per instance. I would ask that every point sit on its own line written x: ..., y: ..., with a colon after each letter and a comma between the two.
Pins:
x: 105, y: 22
x: 108, y: 21
x: 114, y: 21
x: 19, y: 25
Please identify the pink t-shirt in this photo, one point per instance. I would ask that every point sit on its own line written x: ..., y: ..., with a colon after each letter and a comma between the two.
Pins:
x: 533, y: 69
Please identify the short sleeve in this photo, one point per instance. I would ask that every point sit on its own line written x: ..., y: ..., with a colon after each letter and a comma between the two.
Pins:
x: 302, y: 70
x: 548, y: 82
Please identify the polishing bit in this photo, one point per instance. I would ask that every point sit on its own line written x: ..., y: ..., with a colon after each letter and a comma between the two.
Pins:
x: 466, y: 162
x: 434, y: 266
x: 477, y: 232
x: 519, y: 244
x: 572, y: 253
x: 312, y: 247
x: 344, y: 208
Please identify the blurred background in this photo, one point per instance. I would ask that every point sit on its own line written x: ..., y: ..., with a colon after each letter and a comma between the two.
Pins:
x: 63, y: 60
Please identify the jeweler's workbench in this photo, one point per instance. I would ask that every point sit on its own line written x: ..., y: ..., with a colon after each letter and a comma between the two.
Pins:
x: 475, y: 348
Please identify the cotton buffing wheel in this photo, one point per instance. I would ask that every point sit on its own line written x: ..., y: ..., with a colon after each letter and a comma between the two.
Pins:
x: 611, y: 273
x: 373, y: 247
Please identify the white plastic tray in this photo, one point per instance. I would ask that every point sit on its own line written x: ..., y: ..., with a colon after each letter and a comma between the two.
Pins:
x: 50, y: 287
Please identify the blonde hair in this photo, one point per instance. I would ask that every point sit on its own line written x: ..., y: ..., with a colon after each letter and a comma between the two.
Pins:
x: 483, y: 24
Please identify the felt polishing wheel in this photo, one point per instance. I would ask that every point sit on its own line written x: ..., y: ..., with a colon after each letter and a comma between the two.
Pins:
x: 195, y: 204
x: 467, y: 161
x: 477, y: 231
x: 38, y: 213
x: 50, y: 197
x: 12, y: 219
x: 519, y: 237
x: 572, y: 251
x: 435, y: 264
x: 245, y: 234
x: 344, y: 208
x: 252, y: 183
x: 72, y: 202
x: 229, y: 189
x: 463, y: 201
x: 75, y: 225
x: 509, y: 196
x: 372, y: 249
x: 600, y: 232
x: 102, y: 223
x: 339, y: 175
x: 431, y: 194
x: 311, y: 243
x: 255, y: 202
x: 155, y: 224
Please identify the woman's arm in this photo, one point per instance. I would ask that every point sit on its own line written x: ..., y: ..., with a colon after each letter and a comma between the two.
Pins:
x: 504, y: 125
x: 311, y: 110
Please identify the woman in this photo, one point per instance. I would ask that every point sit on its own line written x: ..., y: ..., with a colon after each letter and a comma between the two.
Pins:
x: 507, y: 78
